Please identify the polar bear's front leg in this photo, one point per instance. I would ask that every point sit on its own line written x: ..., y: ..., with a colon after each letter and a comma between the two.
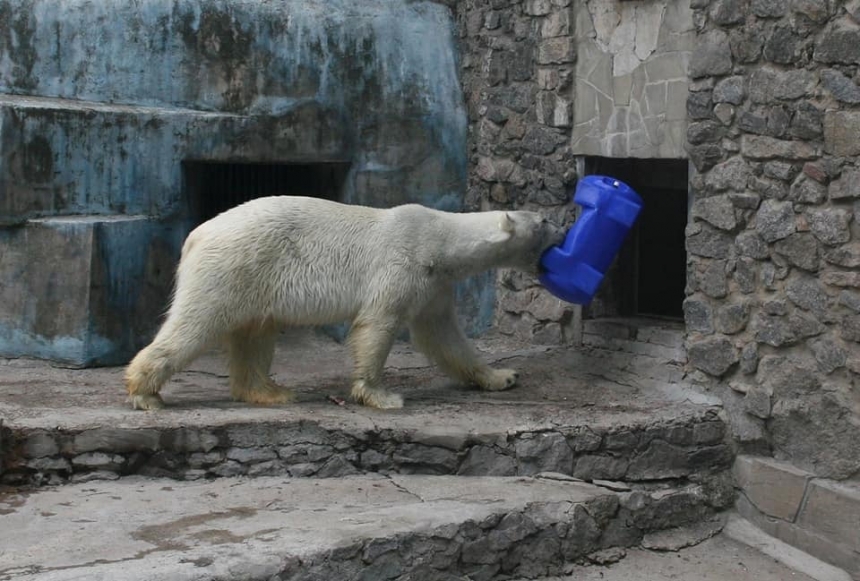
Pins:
x: 370, y: 339
x: 436, y: 332
x: 250, y: 350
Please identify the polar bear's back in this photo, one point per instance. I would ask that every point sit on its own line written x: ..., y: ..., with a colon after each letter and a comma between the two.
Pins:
x: 295, y: 259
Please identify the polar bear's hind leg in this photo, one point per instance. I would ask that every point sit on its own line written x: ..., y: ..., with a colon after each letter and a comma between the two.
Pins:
x: 168, y: 353
x: 249, y: 356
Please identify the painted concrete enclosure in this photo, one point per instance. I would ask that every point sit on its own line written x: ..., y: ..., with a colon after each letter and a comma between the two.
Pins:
x: 102, y: 102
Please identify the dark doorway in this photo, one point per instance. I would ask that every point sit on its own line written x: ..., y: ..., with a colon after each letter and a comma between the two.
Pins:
x: 650, y: 275
x: 213, y: 187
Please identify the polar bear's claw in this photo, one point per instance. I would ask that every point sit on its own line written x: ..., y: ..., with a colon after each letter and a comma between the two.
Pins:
x: 385, y: 401
x: 269, y: 398
x: 146, y: 402
x: 376, y: 398
x: 499, y: 380
x: 270, y: 393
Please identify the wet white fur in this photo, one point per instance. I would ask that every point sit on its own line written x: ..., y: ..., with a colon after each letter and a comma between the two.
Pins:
x: 286, y: 260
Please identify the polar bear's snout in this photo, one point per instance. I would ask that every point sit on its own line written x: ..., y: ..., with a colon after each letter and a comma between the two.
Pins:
x: 543, y: 235
x: 557, y: 235
x: 554, y: 236
x: 551, y: 235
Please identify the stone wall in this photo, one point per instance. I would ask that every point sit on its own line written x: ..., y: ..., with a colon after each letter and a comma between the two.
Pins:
x: 691, y: 448
x: 773, y: 307
x: 631, y: 78
x: 517, y: 73
x: 773, y: 300
x: 549, y: 82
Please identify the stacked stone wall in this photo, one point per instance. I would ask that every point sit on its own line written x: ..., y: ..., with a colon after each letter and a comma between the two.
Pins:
x: 773, y: 306
x: 772, y: 313
x: 517, y: 72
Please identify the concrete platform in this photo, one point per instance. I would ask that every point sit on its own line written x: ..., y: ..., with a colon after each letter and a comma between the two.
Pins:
x: 370, y: 528
x: 596, y: 449
x: 256, y: 528
x: 594, y: 414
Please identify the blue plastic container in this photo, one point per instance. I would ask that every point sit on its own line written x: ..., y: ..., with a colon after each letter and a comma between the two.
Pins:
x: 574, y: 270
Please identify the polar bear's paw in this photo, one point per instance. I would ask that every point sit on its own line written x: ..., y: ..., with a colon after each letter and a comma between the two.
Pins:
x: 376, y: 398
x: 269, y: 394
x: 146, y: 402
x: 499, y: 379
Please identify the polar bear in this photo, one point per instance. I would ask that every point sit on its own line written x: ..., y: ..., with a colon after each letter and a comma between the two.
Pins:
x: 285, y: 260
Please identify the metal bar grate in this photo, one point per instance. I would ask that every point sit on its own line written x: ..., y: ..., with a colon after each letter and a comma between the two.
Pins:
x: 212, y: 188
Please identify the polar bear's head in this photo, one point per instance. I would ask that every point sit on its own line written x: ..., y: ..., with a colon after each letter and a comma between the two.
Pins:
x: 525, y: 236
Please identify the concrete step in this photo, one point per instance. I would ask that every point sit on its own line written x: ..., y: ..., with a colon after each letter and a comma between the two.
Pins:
x: 716, y: 559
x: 371, y: 527
x: 818, y: 516
x: 743, y: 531
x: 576, y: 412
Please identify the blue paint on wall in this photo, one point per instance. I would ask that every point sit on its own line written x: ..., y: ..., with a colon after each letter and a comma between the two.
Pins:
x: 476, y: 302
x: 180, y: 77
x: 127, y: 90
x: 15, y: 341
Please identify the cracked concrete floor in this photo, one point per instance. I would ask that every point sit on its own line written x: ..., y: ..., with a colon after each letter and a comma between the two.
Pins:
x: 243, y: 528
x: 558, y: 385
